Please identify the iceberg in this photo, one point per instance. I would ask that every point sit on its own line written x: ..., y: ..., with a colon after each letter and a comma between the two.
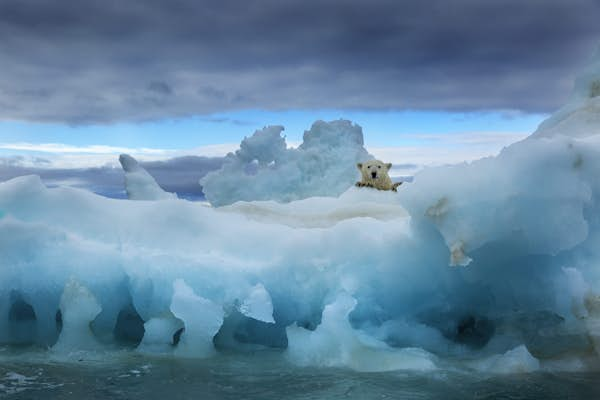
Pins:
x: 492, y: 264
x: 264, y: 168
x: 139, y: 184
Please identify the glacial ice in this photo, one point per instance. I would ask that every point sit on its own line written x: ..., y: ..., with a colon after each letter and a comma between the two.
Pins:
x: 78, y: 308
x: 160, y: 334
x: 322, y: 212
x: 580, y: 116
x: 139, y: 184
x: 335, y: 343
x: 258, y: 305
x: 265, y: 169
x: 202, y: 319
x: 492, y: 264
x: 517, y: 360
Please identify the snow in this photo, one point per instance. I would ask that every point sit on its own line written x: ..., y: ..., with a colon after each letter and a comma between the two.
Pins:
x: 322, y: 212
x: 492, y: 264
x: 265, y: 169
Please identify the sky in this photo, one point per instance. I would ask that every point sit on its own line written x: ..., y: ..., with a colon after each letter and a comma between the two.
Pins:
x: 429, y: 81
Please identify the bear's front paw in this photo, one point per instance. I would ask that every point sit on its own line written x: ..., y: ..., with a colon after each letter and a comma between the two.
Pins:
x: 395, y: 186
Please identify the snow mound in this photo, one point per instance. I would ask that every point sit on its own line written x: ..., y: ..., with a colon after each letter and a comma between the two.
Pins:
x: 265, y: 169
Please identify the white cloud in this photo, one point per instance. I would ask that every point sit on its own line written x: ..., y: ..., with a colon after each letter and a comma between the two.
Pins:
x: 61, y: 148
x: 439, y: 149
x: 213, y: 150
x: 421, y: 149
x: 60, y: 155
x: 469, y: 138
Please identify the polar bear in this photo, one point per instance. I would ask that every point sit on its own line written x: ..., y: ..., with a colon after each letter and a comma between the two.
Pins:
x: 375, y: 175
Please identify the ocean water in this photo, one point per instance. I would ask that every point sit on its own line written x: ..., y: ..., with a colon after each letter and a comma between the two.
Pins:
x: 261, y: 375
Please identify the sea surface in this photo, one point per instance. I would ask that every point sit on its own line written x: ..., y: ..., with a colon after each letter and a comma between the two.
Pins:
x: 262, y: 375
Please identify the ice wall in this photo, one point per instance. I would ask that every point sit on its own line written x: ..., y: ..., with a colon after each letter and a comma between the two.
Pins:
x: 265, y: 169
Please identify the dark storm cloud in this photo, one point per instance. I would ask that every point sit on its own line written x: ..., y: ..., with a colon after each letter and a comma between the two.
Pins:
x: 179, y: 175
x: 90, y: 61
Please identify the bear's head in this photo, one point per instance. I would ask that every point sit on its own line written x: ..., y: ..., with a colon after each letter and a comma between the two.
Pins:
x: 374, y: 170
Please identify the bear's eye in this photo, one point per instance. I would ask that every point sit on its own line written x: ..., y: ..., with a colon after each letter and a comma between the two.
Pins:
x: 369, y: 167
x: 379, y: 167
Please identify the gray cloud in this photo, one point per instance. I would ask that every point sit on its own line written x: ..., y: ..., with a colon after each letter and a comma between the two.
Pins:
x: 179, y: 175
x: 160, y: 88
x: 93, y: 61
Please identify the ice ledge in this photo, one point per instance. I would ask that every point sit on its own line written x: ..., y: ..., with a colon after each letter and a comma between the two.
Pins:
x: 324, y: 212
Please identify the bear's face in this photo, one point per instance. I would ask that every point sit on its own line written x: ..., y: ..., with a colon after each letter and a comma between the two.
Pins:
x: 374, y: 171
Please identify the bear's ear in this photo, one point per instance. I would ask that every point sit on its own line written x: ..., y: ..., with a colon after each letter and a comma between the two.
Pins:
x: 359, y: 165
x: 389, y: 166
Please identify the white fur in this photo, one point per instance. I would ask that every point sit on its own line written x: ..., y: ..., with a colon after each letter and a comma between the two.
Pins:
x: 375, y: 174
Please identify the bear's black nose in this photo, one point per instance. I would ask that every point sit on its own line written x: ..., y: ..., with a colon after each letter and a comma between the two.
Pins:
x: 373, y: 175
